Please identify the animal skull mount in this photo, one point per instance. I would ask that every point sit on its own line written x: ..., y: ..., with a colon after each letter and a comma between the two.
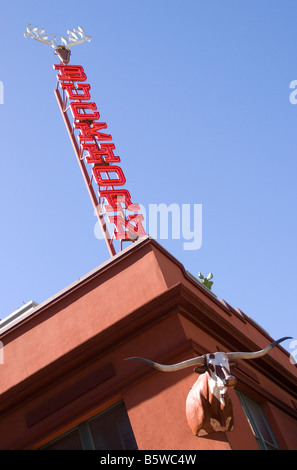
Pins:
x: 208, y: 405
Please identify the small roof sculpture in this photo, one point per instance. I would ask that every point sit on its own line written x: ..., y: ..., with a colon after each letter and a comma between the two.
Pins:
x: 206, y: 281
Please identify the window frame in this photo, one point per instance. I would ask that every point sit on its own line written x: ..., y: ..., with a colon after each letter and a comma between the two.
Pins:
x: 85, y: 432
x: 262, y: 443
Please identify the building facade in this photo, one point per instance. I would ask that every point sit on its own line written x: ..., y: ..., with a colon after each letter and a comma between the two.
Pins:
x: 65, y: 383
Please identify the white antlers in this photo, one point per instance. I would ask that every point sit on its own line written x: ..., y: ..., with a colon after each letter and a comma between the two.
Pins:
x: 38, y: 35
x: 75, y: 37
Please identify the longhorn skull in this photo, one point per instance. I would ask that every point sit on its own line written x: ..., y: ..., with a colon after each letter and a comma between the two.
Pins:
x: 208, y: 405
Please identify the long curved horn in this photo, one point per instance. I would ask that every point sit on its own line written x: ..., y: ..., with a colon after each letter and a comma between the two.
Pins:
x: 256, y: 354
x: 173, y: 367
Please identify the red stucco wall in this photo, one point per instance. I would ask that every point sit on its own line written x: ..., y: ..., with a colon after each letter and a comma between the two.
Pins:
x: 65, y: 362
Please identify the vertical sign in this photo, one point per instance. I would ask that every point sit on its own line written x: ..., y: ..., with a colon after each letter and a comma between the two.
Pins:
x: 93, y: 147
x: 95, y: 152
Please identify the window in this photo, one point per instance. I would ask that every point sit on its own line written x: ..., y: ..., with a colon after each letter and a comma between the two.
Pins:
x: 70, y: 441
x: 258, y: 423
x: 110, y: 430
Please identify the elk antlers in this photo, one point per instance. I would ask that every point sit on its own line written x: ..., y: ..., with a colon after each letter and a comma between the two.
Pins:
x: 75, y: 37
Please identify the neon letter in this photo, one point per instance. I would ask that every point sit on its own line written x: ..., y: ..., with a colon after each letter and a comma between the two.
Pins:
x: 95, y: 156
x: 96, y: 153
x: 132, y: 231
x: 69, y: 87
x: 90, y: 133
x: 82, y: 116
x: 120, y: 181
x: 73, y: 73
x: 116, y: 196
x: 107, y: 150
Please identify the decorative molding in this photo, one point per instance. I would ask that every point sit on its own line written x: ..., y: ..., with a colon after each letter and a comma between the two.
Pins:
x: 69, y: 394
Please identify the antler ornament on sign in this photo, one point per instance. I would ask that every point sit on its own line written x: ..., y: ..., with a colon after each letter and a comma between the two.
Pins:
x: 75, y: 37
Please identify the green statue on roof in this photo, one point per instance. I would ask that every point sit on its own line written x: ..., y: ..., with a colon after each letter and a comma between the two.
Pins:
x: 206, y: 281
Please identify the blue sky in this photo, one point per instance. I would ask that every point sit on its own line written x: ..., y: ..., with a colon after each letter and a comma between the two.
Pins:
x: 196, y: 97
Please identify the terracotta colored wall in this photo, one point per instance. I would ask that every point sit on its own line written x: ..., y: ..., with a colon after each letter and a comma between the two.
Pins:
x: 155, y: 400
x: 66, y: 363
x: 76, y: 318
x: 283, y: 427
x: 242, y: 438
x: 159, y: 420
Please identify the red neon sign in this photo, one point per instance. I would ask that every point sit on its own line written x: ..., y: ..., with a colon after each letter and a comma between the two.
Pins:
x: 96, y: 157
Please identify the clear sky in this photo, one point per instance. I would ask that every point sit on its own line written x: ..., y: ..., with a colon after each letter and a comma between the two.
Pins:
x: 196, y: 96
